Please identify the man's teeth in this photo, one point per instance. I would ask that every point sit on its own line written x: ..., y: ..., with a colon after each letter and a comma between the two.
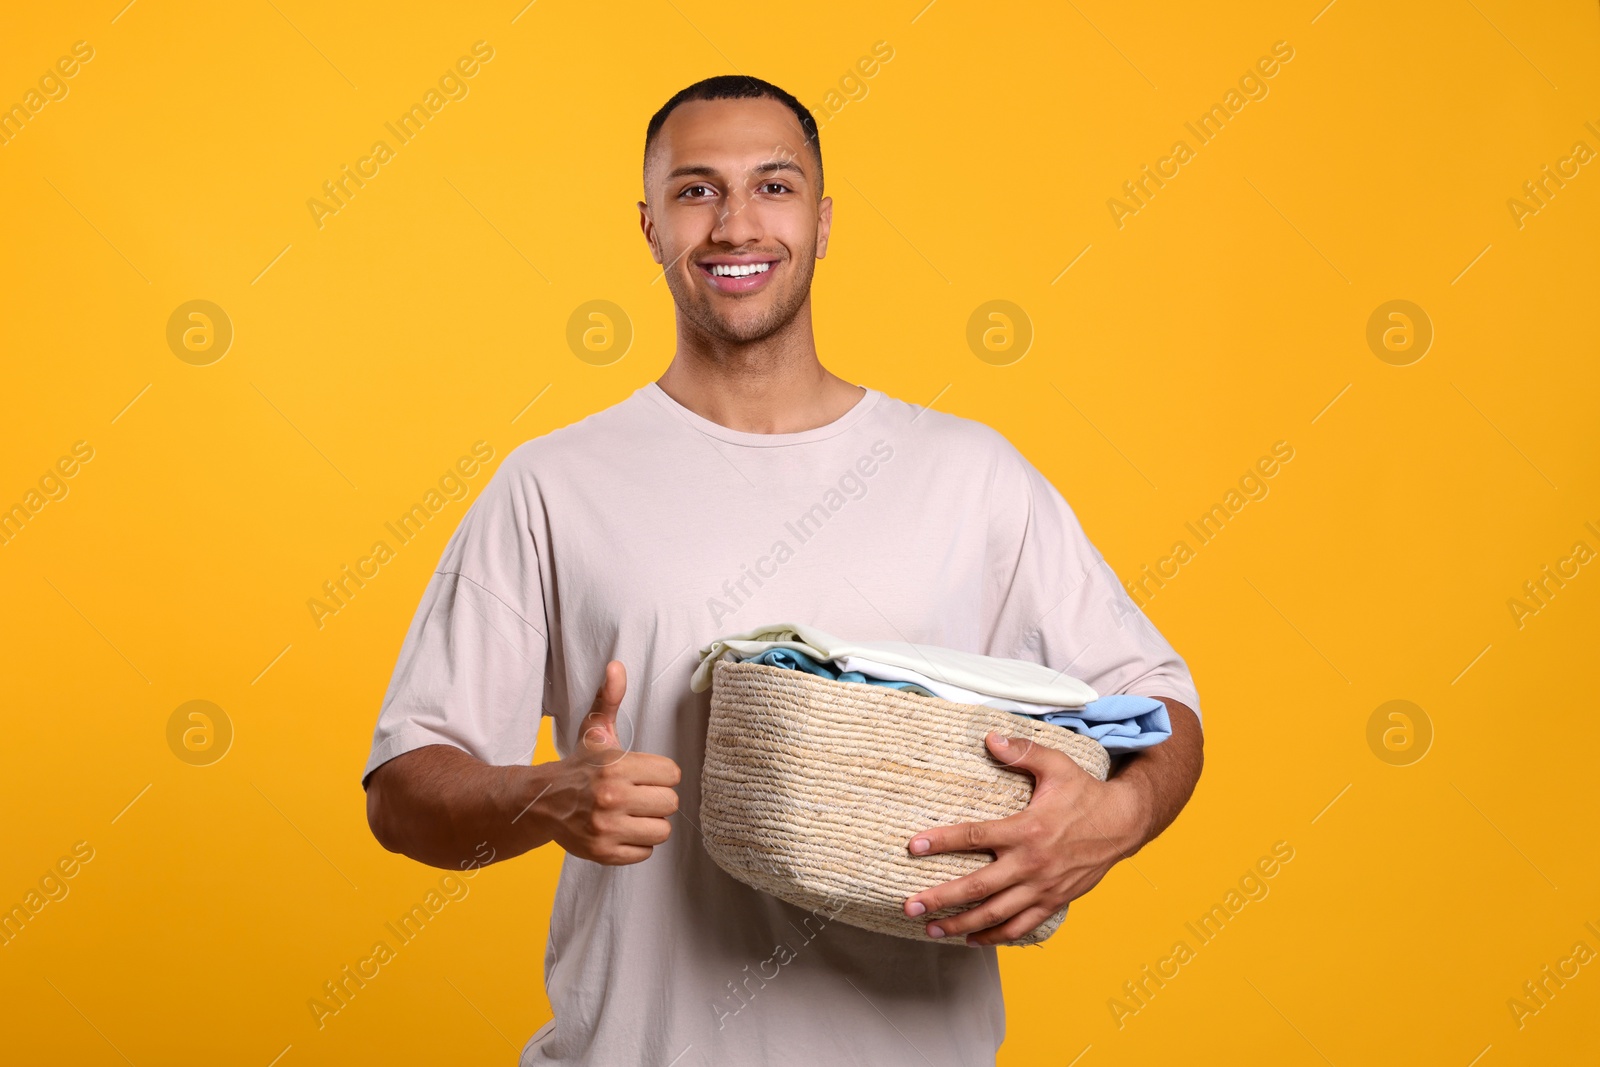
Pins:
x: 739, y: 270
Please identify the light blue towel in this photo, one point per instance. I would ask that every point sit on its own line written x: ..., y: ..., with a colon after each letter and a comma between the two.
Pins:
x: 1122, y: 723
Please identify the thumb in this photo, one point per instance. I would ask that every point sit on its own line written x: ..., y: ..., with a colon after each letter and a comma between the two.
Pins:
x: 599, y: 728
x: 1025, y: 754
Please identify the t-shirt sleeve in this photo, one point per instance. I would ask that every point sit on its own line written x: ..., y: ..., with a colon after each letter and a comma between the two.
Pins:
x: 1060, y: 603
x: 471, y: 671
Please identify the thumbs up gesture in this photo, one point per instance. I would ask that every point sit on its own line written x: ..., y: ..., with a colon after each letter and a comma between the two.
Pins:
x: 608, y: 804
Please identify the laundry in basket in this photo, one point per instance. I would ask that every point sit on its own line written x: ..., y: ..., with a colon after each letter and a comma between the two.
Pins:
x: 1120, y: 722
x: 812, y: 786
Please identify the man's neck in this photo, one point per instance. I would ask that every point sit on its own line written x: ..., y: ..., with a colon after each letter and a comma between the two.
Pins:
x: 774, y: 385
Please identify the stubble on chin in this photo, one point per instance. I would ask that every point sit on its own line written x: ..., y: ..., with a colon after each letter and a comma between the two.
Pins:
x: 695, y: 305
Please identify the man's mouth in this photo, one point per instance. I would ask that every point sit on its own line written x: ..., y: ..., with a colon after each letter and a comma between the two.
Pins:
x: 737, y: 276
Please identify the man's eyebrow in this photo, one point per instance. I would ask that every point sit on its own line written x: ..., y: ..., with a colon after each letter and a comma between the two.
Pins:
x: 780, y: 164
x: 696, y: 170
x: 703, y: 170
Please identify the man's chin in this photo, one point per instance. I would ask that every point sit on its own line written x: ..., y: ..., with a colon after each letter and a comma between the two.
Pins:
x: 743, y: 333
x: 743, y: 329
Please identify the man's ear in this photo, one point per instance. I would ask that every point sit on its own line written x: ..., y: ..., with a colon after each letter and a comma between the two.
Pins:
x: 824, y: 224
x: 649, y: 227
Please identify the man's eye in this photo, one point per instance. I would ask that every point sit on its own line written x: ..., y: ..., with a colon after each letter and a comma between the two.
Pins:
x: 778, y: 187
x: 693, y: 191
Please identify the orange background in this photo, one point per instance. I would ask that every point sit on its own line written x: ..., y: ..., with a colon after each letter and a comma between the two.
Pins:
x: 1230, y: 312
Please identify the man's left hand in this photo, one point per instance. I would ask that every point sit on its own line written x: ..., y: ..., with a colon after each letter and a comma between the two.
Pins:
x: 1053, y: 851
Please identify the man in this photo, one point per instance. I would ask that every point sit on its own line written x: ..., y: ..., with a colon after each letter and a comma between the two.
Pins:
x: 747, y: 486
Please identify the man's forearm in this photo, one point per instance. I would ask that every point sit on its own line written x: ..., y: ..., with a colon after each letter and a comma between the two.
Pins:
x: 440, y: 805
x: 1163, y: 777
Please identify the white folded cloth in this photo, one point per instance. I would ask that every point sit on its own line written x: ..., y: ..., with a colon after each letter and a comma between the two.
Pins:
x: 994, y: 681
x: 954, y: 693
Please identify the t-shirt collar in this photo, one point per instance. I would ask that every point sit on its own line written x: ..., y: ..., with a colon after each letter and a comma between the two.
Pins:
x: 862, y: 406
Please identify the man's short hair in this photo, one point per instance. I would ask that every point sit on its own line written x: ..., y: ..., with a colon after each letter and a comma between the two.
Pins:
x: 738, y: 87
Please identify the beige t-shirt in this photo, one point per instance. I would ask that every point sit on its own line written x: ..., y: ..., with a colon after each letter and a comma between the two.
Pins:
x: 643, y: 532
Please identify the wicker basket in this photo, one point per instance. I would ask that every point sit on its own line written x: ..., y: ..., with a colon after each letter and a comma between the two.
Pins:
x: 812, y: 787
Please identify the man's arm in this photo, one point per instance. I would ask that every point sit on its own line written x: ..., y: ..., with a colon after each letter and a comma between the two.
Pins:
x: 1061, y: 845
x: 1163, y: 777
x: 440, y: 805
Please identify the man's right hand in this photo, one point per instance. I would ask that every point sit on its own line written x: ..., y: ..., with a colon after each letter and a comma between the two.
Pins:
x: 605, y: 803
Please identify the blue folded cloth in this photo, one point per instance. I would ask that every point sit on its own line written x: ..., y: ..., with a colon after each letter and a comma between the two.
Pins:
x: 1121, y: 722
x: 799, y: 661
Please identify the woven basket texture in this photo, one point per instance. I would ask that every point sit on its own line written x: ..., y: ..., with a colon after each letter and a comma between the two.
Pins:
x: 812, y: 787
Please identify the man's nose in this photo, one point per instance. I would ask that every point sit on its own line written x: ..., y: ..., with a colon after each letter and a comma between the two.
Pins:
x: 738, y: 222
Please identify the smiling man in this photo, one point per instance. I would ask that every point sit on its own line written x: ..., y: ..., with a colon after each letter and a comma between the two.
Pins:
x: 749, y: 485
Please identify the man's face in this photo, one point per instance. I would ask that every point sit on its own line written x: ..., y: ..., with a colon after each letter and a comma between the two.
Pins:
x: 733, y: 216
